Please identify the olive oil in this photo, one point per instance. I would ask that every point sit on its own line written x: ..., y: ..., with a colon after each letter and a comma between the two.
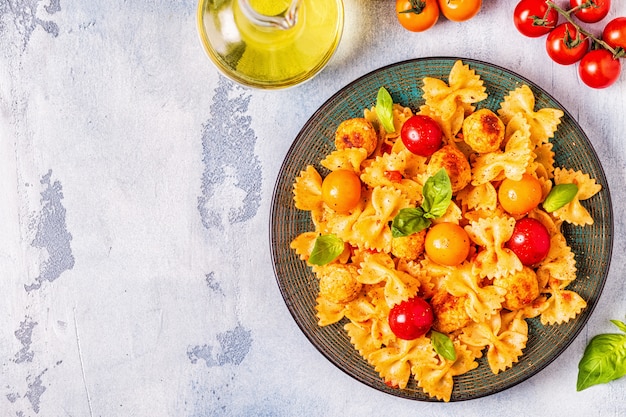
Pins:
x: 268, y: 56
x: 270, y: 7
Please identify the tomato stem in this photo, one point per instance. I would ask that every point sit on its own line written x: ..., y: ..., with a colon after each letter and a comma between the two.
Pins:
x: 417, y: 6
x: 617, y: 53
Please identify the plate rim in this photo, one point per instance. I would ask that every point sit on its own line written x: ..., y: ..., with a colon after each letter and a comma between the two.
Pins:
x: 468, y: 61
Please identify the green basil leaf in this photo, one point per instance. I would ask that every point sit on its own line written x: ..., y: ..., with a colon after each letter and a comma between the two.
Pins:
x: 443, y: 345
x: 604, y: 360
x: 326, y: 249
x: 620, y: 325
x: 437, y: 193
x: 384, y: 109
x: 560, y: 195
x: 409, y: 221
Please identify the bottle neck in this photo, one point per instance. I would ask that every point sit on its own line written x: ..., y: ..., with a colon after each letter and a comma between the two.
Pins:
x: 285, y: 19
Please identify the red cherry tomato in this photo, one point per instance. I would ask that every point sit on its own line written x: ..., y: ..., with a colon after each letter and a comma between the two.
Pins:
x: 614, y: 33
x: 598, y: 68
x: 421, y: 135
x: 593, y: 12
x: 533, y: 18
x: 530, y: 241
x: 411, y: 318
x: 565, y: 45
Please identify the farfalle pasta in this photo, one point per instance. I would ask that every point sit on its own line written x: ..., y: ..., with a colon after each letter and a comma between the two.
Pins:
x: 480, y: 304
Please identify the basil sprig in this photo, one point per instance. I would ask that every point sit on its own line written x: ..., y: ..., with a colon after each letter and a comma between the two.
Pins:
x: 437, y: 193
x: 443, y: 345
x: 560, y: 195
x: 604, y: 359
x: 384, y: 109
x: 326, y: 249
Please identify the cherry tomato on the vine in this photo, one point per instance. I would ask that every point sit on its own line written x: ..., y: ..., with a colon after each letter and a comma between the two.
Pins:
x: 411, y: 318
x: 417, y: 15
x: 566, y: 45
x: 519, y: 197
x: 533, y: 18
x: 421, y: 135
x: 592, y: 12
x: 341, y: 190
x: 459, y: 10
x: 530, y: 241
x: 614, y: 33
x: 447, y: 244
x: 599, y: 69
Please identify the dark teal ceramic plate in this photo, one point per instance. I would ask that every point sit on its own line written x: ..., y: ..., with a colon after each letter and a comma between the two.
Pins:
x: 592, y: 245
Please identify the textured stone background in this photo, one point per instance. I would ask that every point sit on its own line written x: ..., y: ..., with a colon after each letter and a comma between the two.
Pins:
x: 134, y: 263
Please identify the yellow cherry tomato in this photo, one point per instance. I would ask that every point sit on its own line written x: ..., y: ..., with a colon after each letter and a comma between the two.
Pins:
x: 341, y: 190
x: 519, y: 197
x: 459, y: 10
x: 447, y: 244
x: 417, y: 15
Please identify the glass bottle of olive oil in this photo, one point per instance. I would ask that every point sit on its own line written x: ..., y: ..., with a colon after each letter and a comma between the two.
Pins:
x: 270, y: 43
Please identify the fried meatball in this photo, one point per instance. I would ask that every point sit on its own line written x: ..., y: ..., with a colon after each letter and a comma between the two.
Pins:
x: 483, y: 131
x: 338, y: 282
x: 522, y: 288
x: 356, y: 133
x: 455, y: 163
x: 408, y: 247
x: 450, y: 312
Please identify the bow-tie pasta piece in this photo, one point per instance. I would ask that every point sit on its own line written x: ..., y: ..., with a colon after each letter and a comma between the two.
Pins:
x: 563, y: 305
x: 390, y: 170
x: 398, y: 285
x: 369, y: 328
x: 435, y: 375
x: 303, y: 244
x: 328, y: 312
x: 339, y: 224
x: 349, y: 158
x: 480, y: 197
x: 494, y: 260
x: 372, y: 229
x: 559, y: 264
x: 370, y: 306
x: 543, y: 122
x: 393, y: 363
x: 307, y: 189
x: 464, y: 89
x: 481, y: 301
x: 505, y: 336
x: 574, y: 212
x: 544, y: 161
x: 415, y: 269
